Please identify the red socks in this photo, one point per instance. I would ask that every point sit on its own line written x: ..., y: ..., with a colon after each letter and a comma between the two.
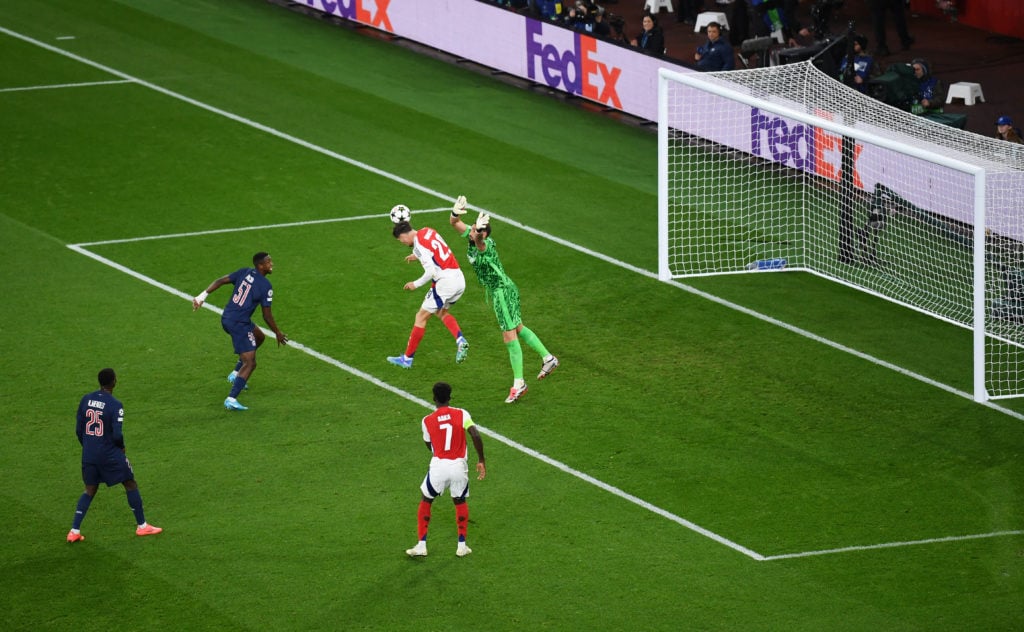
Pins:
x: 414, y: 341
x: 462, y: 519
x: 452, y: 325
x: 423, y: 519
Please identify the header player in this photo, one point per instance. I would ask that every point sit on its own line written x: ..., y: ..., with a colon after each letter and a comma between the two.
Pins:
x: 444, y: 432
x: 447, y: 284
x: 252, y: 288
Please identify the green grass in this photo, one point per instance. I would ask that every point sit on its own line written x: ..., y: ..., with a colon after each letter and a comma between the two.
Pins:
x: 296, y: 513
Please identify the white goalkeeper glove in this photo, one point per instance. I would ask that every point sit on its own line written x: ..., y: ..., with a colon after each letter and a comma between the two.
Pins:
x: 482, y: 221
x: 460, y: 206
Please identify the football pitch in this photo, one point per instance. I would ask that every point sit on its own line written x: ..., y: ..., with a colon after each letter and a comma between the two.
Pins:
x: 750, y: 452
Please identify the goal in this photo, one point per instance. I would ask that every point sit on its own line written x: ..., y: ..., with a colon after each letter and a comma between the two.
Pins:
x: 786, y: 169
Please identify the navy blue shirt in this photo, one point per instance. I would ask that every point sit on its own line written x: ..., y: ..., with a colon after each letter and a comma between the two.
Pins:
x: 251, y: 289
x: 716, y: 55
x: 99, y: 420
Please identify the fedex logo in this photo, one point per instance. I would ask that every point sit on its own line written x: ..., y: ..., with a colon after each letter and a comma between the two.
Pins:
x: 356, y: 10
x: 806, y: 148
x: 573, y: 70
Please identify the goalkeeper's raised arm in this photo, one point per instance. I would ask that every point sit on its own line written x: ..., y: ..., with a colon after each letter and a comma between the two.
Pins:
x: 458, y: 210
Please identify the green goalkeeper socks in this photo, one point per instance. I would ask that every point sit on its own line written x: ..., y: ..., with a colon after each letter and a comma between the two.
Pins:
x: 531, y: 339
x: 515, y: 357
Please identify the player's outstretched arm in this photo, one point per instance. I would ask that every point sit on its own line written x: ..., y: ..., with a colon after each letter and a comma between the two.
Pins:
x: 458, y: 210
x: 200, y: 298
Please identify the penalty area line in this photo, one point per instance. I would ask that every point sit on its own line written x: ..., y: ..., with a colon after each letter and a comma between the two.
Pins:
x: 80, y: 249
x: 57, y: 86
x: 416, y: 186
x: 891, y: 545
x: 239, y: 229
x: 424, y: 189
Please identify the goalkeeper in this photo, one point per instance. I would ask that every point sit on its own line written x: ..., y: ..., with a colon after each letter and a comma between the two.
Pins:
x: 503, y: 295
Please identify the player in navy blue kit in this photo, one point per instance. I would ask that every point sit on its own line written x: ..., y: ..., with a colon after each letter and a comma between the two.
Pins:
x: 252, y: 288
x: 99, y: 419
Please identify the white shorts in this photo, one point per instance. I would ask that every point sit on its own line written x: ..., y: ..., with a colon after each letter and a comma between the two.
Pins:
x: 444, y: 292
x: 446, y: 474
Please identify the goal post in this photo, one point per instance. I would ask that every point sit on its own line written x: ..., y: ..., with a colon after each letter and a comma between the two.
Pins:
x: 786, y: 169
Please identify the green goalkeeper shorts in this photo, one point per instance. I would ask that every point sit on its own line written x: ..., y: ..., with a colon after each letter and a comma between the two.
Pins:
x: 505, y: 300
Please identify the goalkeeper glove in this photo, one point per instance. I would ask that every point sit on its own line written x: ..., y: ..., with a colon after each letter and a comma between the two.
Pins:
x: 460, y: 206
x: 482, y: 221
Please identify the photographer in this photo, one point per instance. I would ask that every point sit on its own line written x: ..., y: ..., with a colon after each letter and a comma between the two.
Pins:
x: 863, y: 68
x: 601, y: 27
x: 579, y: 18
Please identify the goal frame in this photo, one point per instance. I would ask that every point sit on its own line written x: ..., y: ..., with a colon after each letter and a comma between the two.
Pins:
x: 698, y: 81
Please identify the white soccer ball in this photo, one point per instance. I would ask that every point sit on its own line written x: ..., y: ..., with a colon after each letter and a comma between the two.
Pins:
x: 400, y: 213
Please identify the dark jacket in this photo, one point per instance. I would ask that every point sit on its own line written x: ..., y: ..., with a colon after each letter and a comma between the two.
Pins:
x: 651, y: 42
x: 716, y: 55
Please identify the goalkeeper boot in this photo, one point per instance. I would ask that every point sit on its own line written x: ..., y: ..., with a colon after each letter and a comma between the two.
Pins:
x: 75, y: 537
x: 233, y: 404
x: 463, y: 351
x: 420, y: 550
x: 515, y: 393
x: 549, y: 365
x: 402, y: 361
x: 463, y: 550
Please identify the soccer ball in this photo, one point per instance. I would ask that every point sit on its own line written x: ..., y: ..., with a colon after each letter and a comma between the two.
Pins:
x: 400, y: 213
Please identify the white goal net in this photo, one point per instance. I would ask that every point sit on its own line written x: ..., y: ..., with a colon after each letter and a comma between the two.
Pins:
x: 785, y: 168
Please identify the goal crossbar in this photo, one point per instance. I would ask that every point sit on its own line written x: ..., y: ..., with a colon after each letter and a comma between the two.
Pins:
x: 777, y: 169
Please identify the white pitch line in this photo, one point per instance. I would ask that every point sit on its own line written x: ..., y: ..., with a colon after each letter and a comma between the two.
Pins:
x: 215, y: 231
x: 412, y: 398
x: 891, y: 545
x: 413, y: 185
x: 67, y: 85
x: 558, y: 240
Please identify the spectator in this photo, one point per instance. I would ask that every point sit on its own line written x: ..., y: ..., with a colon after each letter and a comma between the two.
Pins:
x: 716, y: 53
x: 863, y: 66
x: 928, y: 99
x: 651, y: 40
x: 899, y: 18
x: 1006, y: 131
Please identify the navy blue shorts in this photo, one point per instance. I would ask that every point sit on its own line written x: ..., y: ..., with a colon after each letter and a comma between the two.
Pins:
x: 113, y: 470
x: 241, y: 335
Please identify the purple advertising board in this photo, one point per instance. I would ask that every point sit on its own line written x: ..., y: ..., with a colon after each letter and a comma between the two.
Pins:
x: 623, y: 79
x: 612, y: 75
